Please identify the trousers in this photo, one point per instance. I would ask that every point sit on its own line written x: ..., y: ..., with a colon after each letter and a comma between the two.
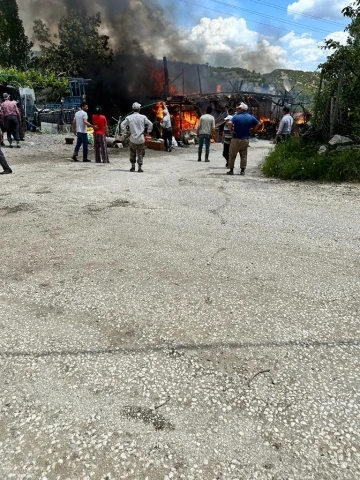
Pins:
x: 137, y: 151
x: 238, y: 145
x: 101, y: 151
x: 82, y: 139
x: 167, y: 136
x: 204, y: 138
x: 12, y: 125
x: 3, y: 162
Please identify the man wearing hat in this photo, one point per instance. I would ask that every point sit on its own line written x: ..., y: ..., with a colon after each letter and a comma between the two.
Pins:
x: 241, y: 125
x: 138, y: 125
x: 11, y: 119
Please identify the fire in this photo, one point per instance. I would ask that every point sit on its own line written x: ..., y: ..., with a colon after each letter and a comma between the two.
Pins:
x: 157, y: 80
x: 218, y: 88
x: 180, y: 120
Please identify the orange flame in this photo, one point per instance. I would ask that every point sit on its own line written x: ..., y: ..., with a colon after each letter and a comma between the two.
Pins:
x: 187, y: 121
x: 218, y: 88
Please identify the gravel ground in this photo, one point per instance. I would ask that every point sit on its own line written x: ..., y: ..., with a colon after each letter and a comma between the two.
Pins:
x: 179, y: 324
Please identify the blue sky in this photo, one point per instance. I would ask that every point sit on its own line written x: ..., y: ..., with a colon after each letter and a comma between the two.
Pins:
x: 282, y: 32
x: 259, y: 35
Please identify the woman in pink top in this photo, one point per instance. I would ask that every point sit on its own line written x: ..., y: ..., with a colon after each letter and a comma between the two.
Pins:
x: 100, y: 133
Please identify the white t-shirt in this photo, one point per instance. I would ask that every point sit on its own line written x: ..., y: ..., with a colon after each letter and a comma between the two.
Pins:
x: 80, y: 116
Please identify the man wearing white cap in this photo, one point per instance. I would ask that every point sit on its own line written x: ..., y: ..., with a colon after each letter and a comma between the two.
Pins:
x: 138, y: 125
x: 241, y: 125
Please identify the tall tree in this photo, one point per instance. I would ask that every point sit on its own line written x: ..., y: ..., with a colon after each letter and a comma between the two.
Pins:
x: 77, y: 44
x: 14, y: 45
x: 341, y: 73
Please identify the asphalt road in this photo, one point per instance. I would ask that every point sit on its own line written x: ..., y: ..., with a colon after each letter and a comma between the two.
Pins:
x: 176, y: 324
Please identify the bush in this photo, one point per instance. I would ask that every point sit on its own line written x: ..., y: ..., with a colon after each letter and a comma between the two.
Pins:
x: 296, y: 160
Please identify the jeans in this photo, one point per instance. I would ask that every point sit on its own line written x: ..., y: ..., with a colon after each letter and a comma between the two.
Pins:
x: 82, y: 139
x: 204, y: 137
x: 167, y: 136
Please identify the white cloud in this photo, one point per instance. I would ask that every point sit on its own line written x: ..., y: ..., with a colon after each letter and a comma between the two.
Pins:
x: 228, y: 42
x: 340, y: 37
x: 318, y: 8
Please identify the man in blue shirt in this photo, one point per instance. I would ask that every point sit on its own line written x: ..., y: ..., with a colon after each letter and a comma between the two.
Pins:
x: 240, y: 125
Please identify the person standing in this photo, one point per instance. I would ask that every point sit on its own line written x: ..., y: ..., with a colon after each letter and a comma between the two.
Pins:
x: 286, y: 123
x: 100, y: 134
x: 79, y: 125
x: 241, y: 125
x: 138, y: 125
x: 227, y: 136
x: 11, y: 119
x: 167, y: 129
x: 3, y: 162
x: 205, y: 130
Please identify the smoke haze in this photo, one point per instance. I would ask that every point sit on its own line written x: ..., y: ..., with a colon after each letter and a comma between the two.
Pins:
x: 145, y: 27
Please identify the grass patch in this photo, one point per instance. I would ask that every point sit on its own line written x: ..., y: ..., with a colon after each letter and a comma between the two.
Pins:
x: 297, y: 160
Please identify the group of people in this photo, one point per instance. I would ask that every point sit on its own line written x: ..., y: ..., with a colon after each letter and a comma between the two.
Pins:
x: 236, y: 133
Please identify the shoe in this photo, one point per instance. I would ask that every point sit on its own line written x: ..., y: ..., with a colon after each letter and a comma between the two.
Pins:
x: 6, y: 172
x: 140, y: 170
x: 242, y: 172
x: 132, y: 169
x: 207, y: 160
x: 86, y: 160
x: 199, y: 159
x: 10, y: 146
x: 18, y: 145
x: 74, y: 158
x: 230, y: 172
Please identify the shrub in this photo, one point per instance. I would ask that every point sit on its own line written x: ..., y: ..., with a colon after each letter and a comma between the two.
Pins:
x: 297, y: 160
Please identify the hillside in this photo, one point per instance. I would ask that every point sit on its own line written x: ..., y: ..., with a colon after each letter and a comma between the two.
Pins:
x: 306, y: 82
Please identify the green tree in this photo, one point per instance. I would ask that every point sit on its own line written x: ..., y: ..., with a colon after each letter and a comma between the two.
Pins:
x: 14, y: 45
x: 341, y: 75
x: 77, y: 44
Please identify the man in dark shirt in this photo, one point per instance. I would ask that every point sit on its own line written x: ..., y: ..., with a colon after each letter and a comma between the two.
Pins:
x: 240, y: 125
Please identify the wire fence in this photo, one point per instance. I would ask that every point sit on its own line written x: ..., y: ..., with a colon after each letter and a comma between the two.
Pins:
x: 335, y: 114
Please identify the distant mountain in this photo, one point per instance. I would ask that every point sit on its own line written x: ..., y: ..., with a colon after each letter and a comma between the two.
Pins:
x: 305, y: 82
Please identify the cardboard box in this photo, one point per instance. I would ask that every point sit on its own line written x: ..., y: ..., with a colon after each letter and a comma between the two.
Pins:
x: 155, y: 145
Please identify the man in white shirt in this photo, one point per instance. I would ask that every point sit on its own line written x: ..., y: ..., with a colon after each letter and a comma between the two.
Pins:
x: 79, y: 126
x: 284, y: 131
x: 167, y: 129
x: 138, y: 125
x: 205, y: 130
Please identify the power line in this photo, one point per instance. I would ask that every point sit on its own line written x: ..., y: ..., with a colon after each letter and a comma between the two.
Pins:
x: 315, y: 29
x: 313, y: 17
x: 254, y: 21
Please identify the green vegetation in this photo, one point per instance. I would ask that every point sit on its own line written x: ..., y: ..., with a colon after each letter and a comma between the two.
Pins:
x: 14, y: 45
x: 32, y: 79
x: 297, y: 160
x: 77, y: 44
x: 306, y: 82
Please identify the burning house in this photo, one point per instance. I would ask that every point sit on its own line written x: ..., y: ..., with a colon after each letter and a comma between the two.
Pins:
x: 186, y: 109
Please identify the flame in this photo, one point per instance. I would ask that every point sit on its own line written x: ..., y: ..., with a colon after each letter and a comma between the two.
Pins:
x: 157, y: 80
x: 187, y: 121
x: 218, y: 88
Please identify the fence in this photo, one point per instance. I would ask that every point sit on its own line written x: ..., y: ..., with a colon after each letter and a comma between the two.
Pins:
x: 335, y: 114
